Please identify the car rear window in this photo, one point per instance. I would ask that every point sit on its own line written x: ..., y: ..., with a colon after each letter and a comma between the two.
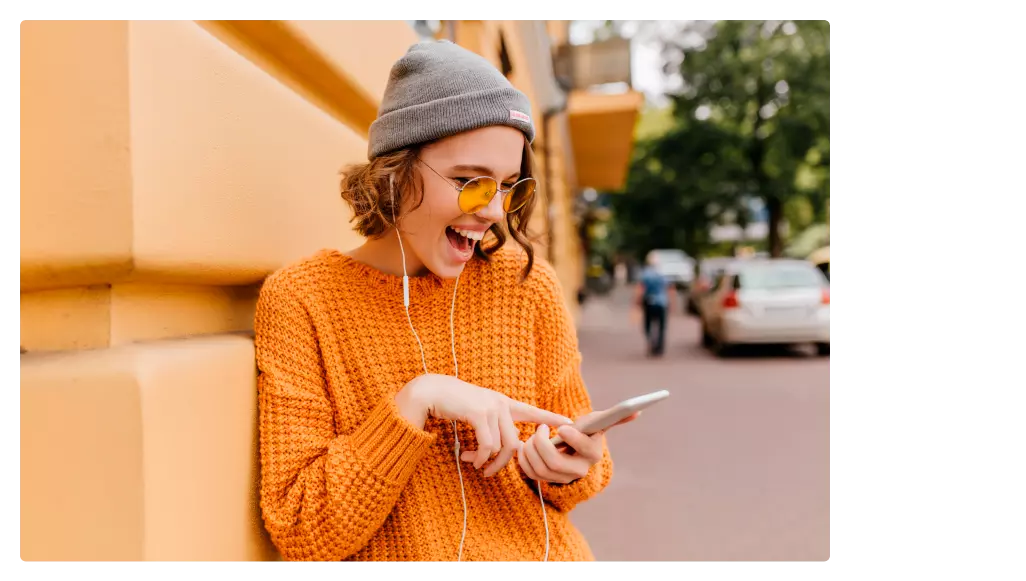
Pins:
x: 780, y: 276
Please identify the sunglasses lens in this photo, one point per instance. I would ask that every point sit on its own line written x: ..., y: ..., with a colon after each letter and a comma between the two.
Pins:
x: 476, y: 194
x: 522, y: 192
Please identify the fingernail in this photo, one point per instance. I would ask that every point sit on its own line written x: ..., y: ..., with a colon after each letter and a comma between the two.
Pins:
x: 544, y: 428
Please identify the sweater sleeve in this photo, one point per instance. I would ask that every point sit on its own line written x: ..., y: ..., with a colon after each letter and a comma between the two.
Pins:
x: 323, y: 495
x: 561, y: 387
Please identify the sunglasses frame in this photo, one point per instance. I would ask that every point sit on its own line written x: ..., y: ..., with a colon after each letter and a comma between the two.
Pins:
x: 498, y: 190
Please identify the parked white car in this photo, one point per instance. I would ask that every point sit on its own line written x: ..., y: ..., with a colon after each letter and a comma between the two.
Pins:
x: 763, y: 301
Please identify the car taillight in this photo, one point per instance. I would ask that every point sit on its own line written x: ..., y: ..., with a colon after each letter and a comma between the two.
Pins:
x: 730, y: 301
x: 826, y: 296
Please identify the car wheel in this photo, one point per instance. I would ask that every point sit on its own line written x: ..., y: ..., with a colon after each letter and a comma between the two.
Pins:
x: 721, y: 349
x: 823, y: 349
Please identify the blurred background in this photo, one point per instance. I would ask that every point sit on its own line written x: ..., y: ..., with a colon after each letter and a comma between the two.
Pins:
x: 728, y: 187
x: 168, y: 167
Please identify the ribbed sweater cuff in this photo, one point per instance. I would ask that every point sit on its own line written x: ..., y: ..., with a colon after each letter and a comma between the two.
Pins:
x: 389, y: 443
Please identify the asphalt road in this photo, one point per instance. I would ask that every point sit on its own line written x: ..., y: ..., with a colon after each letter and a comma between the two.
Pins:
x: 734, y: 466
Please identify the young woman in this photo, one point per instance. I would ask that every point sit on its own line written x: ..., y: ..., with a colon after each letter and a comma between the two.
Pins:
x: 408, y: 388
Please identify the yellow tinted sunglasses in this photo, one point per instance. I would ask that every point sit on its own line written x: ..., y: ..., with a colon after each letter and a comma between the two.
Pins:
x: 477, y: 193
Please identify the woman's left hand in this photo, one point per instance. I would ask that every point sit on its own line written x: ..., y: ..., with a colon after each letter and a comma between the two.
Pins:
x: 542, y: 460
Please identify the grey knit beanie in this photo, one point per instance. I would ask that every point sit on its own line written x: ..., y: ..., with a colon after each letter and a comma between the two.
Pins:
x: 438, y: 89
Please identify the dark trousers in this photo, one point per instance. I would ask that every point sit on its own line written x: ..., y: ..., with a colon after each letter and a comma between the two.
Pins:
x: 655, y: 327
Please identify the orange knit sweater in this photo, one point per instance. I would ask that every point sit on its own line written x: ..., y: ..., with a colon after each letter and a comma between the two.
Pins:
x: 345, y: 476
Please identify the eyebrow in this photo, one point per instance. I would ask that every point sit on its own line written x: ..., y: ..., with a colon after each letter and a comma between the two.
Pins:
x: 481, y: 170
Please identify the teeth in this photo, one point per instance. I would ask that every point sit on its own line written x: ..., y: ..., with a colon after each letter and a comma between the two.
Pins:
x: 469, y: 234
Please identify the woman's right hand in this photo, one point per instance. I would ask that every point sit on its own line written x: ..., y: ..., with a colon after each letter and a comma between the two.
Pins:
x: 489, y: 412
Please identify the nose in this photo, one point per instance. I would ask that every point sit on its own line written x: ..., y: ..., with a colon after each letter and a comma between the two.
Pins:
x: 493, y: 212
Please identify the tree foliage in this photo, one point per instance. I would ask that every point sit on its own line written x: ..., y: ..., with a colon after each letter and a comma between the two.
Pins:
x: 752, y: 120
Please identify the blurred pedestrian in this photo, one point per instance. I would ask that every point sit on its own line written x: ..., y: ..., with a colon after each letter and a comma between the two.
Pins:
x: 654, y: 296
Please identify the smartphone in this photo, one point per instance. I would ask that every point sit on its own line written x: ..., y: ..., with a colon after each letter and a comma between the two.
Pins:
x: 609, y: 417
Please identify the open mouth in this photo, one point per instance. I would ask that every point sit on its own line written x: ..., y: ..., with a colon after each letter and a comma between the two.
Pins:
x: 463, y: 240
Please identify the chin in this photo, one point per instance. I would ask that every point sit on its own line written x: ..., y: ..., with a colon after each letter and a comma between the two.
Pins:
x: 446, y: 269
x: 448, y: 261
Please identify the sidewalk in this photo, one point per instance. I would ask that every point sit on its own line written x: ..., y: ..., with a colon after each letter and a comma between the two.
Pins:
x: 607, y: 313
x: 733, y: 466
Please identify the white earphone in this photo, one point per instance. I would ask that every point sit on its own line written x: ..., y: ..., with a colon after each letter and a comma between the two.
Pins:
x: 456, y: 371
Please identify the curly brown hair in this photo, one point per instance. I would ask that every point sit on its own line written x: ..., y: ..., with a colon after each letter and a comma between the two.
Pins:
x: 366, y: 188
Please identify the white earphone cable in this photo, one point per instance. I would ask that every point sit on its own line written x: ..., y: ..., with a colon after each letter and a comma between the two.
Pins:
x: 406, y: 302
x: 545, y: 518
x: 456, y: 369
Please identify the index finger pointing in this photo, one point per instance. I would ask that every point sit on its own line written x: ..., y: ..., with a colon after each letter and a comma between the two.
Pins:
x: 523, y: 412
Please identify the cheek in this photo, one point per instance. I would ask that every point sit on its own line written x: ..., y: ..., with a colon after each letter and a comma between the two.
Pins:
x: 438, y: 210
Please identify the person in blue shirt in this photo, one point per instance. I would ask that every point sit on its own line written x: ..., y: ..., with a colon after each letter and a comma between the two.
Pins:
x: 655, y: 293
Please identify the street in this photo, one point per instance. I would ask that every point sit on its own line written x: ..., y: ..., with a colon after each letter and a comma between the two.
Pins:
x: 733, y: 466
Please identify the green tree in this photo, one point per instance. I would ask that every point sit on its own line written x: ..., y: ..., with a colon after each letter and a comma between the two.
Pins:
x: 766, y: 83
x: 752, y: 119
x: 678, y: 184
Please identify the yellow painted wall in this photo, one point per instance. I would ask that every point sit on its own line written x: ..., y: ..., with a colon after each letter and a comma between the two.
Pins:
x: 76, y: 207
x: 167, y: 168
x: 163, y: 176
x: 141, y: 452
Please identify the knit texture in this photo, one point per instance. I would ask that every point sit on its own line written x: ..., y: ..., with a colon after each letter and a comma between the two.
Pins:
x: 345, y: 476
x: 438, y: 89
